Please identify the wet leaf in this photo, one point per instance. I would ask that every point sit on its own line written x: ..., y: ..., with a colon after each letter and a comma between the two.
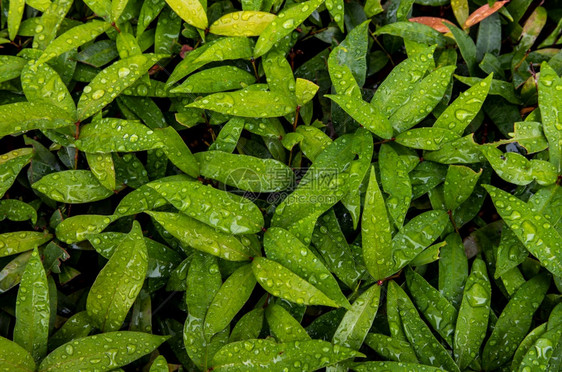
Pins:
x: 532, y: 228
x: 438, y: 311
x: 393, y: 366
x: 201, y: 236
x: 549, y: 104
x: 376, y: 232
x: 14, y: 357
x: 89, y: 351
x: 284, y: 248
x: 391, y: 348
x: 21, y: 117
x: 248, y: 103
x: 426, y: 95
x: 244, y: 23
x: 428, y: 350
x: 396, y: 88
x: 459, y: 185
x: 120, y: 75
x: 435, y: 23
x: 303, y: 353
x: 396, y: 183
x: 77, y: 326
x: 426, y: 138
x: 192, y: 11
x: 227, y: 212
x: 21, y: 241
x: 11, y: 67
x: 216, y: 79
x: 73, y: 38
x: 118, y: 283
x: 514, y: 322
x: 365, y: 114
x: 72, y: 186
x: 529, y: 134
x: 229, y: 299
x: 287, y: 20
x: 414, y: 31
x: 245, y: 172
x: 458, y: 115
x: 453, y: 269
x: 473, y: 315
x: 32, y: 309
x: 283, y: 326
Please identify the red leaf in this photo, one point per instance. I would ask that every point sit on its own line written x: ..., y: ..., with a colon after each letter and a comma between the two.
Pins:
x: 483, y: 12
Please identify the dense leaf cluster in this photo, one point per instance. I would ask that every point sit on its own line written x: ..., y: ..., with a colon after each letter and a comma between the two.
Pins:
x: 280, y: 185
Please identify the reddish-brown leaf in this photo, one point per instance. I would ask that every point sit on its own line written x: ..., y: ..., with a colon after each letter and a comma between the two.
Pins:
x: 435, y: 23
x: 483, y: 12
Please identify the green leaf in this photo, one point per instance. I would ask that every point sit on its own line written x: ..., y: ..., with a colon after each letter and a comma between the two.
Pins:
x: 21, y: 117
x: 229, y: 136
x: 438, y: 311
x: 282, y: 282
x: 426, y: 138
x: 331, y: 244
x: 396, y: 183
x: 542, y: 353
x: 550, y: 96
x: 511, y: 252
x: 526, y: 344
x: 245, y: 172
x: 517, y: 169
x: 463, y: 150
x: 473, y: 315
x: 10, y: 67
x: 243, y: 23
x: 73, y: 38
x: 14, y: 357
x: 120, y: 75
x: 21, y: 241
x: 414, y: 31
x: 32, y: 309
x: 376, y: 232
x: 93, y: 351
x: 497, y: 87
x: 453, y: 269
x: 216, y: 79
x: 415, y: 236
x: 514, y: 322
x: 248, y: 103
x: 15, y: 15
x: 249, y: 326
x: 103, y: 168
x: 425, y: 96
x: 11, y: 274
x: 224, y: 211
x: 286, y: 21
x: 529, y: 134
x: 228, y: 301
x: 283, y: 247
x: 202, y: 237
x: 532, y: 229
x: 458, y: 115
x: 191, y: 11
x: 11, y: 164
x: 365, y: 114
x: 459, y: 185
x: 283, y: 326
x: 78, y: 228
x: 426, y: 346
x: 330, y: 176
x: 394, y: 367
x: 396, y: 88
x: 357, y: 321
x: 466, y: 46
x: 274, y: 357
x: 305, y: 90
x: 391, y: 348
x: 118, y: 283
x: 72, y: 186
x: 50, y: 22
x: 159, y: 365
x: 177, y: 151
x: 116, y: 135
x: 77, y: 326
